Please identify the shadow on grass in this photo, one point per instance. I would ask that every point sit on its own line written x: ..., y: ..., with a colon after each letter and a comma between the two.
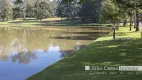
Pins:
x: 100, y: 53
x: 124, y: 33
x: 76, y: 37
x: 57, y: 23
x: 94, y: 33
x: 25, y: 21
x: 103, y: 25
x: 69, y: 23
x: 89, y: 36
x: 98, y: 28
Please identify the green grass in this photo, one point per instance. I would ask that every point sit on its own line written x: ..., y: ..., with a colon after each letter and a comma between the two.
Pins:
x: 102, y: 52
x: 31, y: 22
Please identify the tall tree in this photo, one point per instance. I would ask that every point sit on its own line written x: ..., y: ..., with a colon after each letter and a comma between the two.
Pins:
x: 18, y: 8
x: 6, y: 9
x: 53, y: 6
x: 110, y: 13
x: 42, y: 10
x: 90, y: 11
x: 132, y: 5
x: 69, y: 10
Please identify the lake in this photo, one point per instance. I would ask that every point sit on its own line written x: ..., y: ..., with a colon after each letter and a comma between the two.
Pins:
x: 26, y: 51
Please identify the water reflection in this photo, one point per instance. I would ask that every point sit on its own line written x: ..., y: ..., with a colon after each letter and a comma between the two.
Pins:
x: 29, y: 50
x: 24, y: 57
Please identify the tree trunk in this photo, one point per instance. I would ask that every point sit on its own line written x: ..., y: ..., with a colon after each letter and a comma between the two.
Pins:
x: 67, y: 18
x: 24, y: 14
x: 68, y: 11
x: 125, y: 22
x: 137, y: 21
x: 36, y: 3
x: 114, y: 33
x: 74, y: 13
x: 24, y: 10
x: 130, y: 22
x: 117, y: 26
x: 61, y: 17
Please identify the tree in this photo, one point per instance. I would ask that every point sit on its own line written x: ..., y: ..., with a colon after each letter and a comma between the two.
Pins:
x: 6, y: 9
x: 17, y: 10
x: 42, y: 10
x: 69, y: 10
x: 53, y: 6
x: 23, y: 7
x: 132, y: 5
x: 127, y: 10
x: 89, y: 11
x: 110, y: 13
x: 28, y: 7
x: 60, y: 10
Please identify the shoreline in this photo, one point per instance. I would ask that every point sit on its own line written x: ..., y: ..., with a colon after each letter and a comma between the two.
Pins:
x: 101, y: 52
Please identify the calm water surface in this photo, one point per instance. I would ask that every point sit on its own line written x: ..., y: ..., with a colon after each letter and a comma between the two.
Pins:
x: 26, y: 51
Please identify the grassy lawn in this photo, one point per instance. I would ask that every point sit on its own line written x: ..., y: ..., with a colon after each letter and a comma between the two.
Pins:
x: 102, y: 52
x: 31, y: 22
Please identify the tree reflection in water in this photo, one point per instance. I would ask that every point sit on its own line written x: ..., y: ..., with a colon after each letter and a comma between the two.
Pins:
x: 25, y: 42
x: 24, y: 57
x: 26, y: 51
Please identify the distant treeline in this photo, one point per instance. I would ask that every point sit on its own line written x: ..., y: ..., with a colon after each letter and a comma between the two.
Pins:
x: 85, y: 11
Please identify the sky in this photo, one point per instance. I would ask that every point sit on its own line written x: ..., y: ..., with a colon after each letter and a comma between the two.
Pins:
x: 51, y: 0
